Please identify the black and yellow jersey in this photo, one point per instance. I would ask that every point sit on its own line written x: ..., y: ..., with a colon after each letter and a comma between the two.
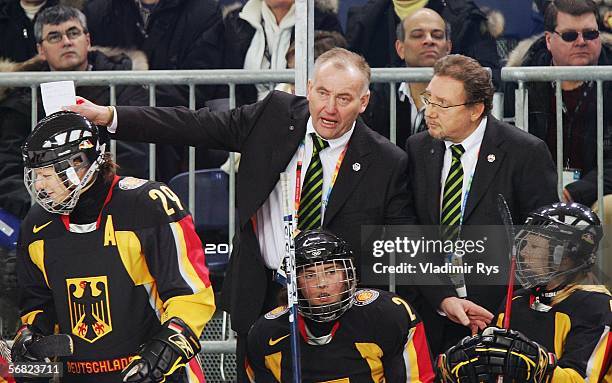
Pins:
x: 112, y: 283
x: 380, y: 338
x: 577, y: 330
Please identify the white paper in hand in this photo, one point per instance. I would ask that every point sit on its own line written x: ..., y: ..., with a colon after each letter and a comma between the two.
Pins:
x: 57, y: 94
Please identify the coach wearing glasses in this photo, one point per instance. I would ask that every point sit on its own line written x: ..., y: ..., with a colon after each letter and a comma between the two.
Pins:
x: 572, y: 38
x: 458, y: 167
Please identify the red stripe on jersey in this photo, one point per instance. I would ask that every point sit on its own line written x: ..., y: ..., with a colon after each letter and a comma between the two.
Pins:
x: 195, y: 252
x: 426, y: 371
x: 196, y: 368
x: 109, y: 196
x: 4, y: 375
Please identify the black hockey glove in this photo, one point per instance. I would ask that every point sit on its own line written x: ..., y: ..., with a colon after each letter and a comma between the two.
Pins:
x: 460, y: 364
x: 159, y: 358
x: 22, y: 350
x: 513, y: 355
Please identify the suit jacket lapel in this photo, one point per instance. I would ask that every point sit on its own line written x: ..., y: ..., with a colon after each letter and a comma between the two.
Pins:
x: 287, y: 142
x: 433, y: 171
x: 352, y: 171
x: 490, y: 159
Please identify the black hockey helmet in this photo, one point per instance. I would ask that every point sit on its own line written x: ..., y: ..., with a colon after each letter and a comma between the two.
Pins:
x: 70, y: 145
x: 552, y: 236
x: 315, y: 251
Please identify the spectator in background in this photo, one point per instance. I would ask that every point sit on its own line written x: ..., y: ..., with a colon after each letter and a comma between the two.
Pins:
x: 422, y: 38
x: 371, y: 30
x: 174, y: 34
x: 63, y: 44
x: 258, y: 36
x: 522, y: 19
x: 323, y: 41
x: 17, y: 41
x: 572, y: 38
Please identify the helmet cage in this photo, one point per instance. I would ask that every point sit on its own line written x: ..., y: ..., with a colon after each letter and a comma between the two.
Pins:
x: 545, y: 245
x: 67, y: 173
x: 68, y: 144
x: 333, y: 300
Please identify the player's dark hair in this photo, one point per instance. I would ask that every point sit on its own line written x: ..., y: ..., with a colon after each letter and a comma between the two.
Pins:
x: 108, y: 169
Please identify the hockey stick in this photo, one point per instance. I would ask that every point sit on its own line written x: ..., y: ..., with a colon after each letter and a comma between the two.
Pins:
x: 291, y: 278
x: 504, y: 211
x: 506, y: 217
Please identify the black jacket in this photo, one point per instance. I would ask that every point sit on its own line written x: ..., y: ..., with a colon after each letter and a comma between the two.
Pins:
x: 15, y: 126
x: 180, y: 34
x: 17, y: 41
x: 370, y: 31
x: 238, y: 36
x: 533, y: 52
x: 510, y: 162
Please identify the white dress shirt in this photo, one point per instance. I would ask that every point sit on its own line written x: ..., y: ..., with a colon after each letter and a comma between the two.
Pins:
x: 404, y: 94
x: 270, y: 232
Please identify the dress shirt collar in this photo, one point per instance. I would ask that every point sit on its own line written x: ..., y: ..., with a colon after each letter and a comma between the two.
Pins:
x: 473, y: 140
x: 334, y: 142
x: 403, y: 92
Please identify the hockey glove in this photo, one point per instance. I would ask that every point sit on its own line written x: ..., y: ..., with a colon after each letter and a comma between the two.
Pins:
x: 513, y: 355
x: 459, y: 364
x: 22, y: 350
x: 169, y: 350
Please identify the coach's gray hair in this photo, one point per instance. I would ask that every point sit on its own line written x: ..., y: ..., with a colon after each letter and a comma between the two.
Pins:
x: 343, y: 59
x: 56, y: 15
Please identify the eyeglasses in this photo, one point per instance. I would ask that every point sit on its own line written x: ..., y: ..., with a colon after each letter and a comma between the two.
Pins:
x: 428, y: 102
x: 72, y: 34
x: 587, y: 34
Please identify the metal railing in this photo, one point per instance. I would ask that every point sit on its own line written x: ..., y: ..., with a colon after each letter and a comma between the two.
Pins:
x: 231, y: 78
x: 599, y: 74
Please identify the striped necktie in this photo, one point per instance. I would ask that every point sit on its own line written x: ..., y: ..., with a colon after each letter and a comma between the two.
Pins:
x: 450, y: 218
x: 309, y: 214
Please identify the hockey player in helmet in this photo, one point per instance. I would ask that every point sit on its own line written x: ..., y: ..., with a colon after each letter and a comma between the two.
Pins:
x: 560, y: 321
x: 62, y: 157
x: 345, y: 333
x: 113, y: 261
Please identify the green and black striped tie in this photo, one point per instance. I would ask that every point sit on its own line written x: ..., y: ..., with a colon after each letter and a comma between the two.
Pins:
x: 309, y: 214
x: 451, y: 201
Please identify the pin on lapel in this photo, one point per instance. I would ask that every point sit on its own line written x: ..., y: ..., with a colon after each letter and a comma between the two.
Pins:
x: 356, y: 166
x: 491, y: 157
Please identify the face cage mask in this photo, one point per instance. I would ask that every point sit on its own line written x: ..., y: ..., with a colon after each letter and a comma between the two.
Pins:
x: 67, y: 178
x: 539, y: 258
x: 322, y: 282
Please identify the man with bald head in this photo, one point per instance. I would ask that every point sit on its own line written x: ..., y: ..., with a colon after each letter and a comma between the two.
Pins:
x: 423, y: 37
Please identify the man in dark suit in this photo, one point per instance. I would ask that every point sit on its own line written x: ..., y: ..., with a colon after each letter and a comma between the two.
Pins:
x: 278, y: 134
x: 458, y: 168
x: 422, y: 39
